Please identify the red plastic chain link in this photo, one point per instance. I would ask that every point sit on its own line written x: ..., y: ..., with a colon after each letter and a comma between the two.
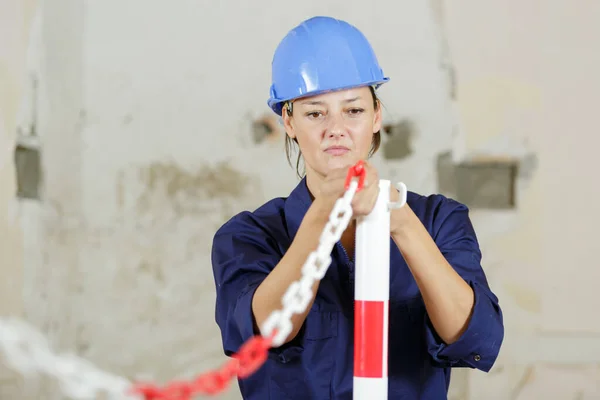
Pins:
x: 358, y: 170
x: 244, y: 363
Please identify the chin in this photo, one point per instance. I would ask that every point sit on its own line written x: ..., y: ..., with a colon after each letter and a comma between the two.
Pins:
x: 341, y: 162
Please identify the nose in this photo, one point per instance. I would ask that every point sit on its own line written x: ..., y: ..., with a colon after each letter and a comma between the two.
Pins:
x: 336, y: 127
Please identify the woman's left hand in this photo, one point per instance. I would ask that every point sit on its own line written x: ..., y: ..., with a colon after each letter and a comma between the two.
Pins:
x: 398, y: 216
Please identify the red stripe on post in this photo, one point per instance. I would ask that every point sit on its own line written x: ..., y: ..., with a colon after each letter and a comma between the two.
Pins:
x: 368, y: 339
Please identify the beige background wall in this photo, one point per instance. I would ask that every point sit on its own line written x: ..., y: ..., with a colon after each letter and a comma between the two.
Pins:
x: 15, y: 23
x: 528, y: 72
x: 143, y: 115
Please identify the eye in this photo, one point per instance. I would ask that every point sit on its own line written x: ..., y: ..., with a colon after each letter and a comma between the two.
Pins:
x: 356, y: 111
x: 314, y: 114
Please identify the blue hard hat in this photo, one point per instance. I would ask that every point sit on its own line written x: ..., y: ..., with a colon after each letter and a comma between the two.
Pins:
x: 319, y: 55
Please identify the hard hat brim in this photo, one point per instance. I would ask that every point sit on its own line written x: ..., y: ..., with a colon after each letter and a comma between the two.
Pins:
x: 277, y: 104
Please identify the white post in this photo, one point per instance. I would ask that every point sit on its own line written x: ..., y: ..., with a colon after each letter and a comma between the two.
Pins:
x: 371, y: 300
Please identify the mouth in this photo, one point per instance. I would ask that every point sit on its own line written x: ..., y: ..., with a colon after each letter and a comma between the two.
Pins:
x: 337, y: 150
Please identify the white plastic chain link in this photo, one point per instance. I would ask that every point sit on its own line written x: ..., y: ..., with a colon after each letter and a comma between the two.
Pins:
x: 28, y: 352
x: 298, y: 296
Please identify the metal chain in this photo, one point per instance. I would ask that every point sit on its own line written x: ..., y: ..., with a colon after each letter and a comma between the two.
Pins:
x: 297, y: 297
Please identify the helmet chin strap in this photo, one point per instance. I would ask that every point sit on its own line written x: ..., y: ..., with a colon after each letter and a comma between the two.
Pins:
x: 288, y: 107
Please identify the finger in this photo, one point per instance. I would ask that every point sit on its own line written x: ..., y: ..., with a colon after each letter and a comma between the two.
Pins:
x: 371, y: 179
x: 371, y: 195
x: 363, y: 202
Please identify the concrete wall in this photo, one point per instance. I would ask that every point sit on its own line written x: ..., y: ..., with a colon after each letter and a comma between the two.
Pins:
x: 15, y: 25
x: 146, y: 122
x: 14, y: 39
x: 526, y: 76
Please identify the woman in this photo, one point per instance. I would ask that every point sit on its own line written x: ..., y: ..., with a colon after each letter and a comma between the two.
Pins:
x: 442, y: 312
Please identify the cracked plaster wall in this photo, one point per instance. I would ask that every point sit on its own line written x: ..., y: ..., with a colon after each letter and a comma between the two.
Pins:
x: 149, y: 142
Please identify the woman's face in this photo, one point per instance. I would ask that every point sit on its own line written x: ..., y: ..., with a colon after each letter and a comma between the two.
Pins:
x: 335, y: 129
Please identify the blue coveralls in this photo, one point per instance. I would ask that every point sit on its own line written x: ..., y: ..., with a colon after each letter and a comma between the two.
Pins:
x: 318, y: 363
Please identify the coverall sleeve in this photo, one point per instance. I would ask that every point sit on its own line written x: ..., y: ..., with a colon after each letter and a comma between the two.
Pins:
x: 243, y: 254
x: 479, y: 346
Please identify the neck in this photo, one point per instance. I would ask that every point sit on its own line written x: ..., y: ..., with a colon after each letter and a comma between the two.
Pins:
x: 313, y: 182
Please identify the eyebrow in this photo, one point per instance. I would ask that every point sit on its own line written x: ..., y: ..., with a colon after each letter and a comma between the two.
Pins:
x: 318, y: 103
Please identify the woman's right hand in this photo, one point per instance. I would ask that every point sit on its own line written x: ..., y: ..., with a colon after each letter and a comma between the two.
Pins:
x: 333, y: 187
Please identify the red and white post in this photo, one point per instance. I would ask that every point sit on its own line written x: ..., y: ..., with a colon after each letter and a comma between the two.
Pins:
x: 371, y: 300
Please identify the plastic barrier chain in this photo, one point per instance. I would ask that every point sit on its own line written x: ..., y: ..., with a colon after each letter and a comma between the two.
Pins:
x: 278, y: 326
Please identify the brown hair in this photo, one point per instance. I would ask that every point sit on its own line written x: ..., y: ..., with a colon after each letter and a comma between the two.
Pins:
x: 290, y: 146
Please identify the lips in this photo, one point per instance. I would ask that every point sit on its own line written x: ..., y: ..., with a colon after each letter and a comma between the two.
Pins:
x: 337, y: 150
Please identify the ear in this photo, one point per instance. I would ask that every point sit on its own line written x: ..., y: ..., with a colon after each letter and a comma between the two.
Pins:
x: 287, y: 124
x: 377, y: 118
